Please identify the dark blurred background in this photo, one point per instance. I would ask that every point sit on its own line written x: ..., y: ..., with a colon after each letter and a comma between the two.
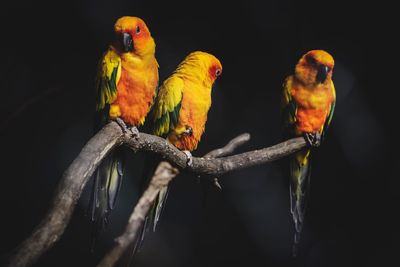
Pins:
x: 49, y: 54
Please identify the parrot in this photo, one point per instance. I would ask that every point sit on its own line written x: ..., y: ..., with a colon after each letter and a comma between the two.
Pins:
x: 127, y: 83
x: 180, y: 113
x: 308, y: 103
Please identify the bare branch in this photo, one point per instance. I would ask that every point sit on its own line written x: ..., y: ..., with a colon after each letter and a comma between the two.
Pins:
x: 162, y: 176
x: 75, y: 177
x: 66, y: 195
x: 217, y: 166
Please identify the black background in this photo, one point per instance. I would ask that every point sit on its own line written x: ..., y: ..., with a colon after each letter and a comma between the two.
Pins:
x: 49, y: 54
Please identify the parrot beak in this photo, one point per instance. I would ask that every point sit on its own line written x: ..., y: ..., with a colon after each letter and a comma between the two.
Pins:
x: 322, y: 73
x: 127, y: 42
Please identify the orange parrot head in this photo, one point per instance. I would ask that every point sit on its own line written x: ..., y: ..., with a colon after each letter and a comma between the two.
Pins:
x: 133, y: 36
x: 315, y: 67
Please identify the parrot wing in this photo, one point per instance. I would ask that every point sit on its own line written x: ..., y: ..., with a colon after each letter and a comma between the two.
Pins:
x: 331, y: 111
x: 108, y: 176
x: 288, y: 107
x: 109, y: 73
x: 167, y: 106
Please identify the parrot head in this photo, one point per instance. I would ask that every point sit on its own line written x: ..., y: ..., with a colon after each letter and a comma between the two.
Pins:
x: 133, y: 36
x: 315, y: 67
x: 201, y: 65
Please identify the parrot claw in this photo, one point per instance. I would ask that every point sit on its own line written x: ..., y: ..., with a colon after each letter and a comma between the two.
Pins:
x: 121, y: 124
x: 135, y: 132
x: 132, y: 130
x: 189, y: 157
x: 217, y: 184
x: 313, y: 139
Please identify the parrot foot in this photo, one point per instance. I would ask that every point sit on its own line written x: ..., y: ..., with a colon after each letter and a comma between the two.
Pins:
x: 313, y: 139
x: 135, y: 132
x: 121, y: 124
x: 132, y: 130
x: 189, y: 157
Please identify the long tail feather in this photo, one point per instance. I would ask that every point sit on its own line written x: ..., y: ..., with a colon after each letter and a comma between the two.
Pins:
x: 300, y: 172
x: 152, y: 218
x: 106, y: 186
x: 159, y: 206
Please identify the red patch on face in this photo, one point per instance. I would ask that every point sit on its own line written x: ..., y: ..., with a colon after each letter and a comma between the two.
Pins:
x: 139, y: 31
x: 214, y: 71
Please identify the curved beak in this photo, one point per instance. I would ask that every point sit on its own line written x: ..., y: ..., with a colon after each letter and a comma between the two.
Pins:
x: 322, y: 73
x: 127, y: 42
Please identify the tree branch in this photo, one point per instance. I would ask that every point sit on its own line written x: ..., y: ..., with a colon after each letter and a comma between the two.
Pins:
x: 66, y: 196
x: 162, y: 176
x: 78, y: 173
x: 217, y: 166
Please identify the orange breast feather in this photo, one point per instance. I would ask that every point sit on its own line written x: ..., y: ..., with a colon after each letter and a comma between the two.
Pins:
x: 136, y: 91
x: 313, y: 107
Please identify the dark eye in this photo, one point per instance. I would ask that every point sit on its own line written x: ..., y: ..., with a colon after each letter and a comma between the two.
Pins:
x: 137, y: 30
x: 217, y: 72
x: 311, y: 60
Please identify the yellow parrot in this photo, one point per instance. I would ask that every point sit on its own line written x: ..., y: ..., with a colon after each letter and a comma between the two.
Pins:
x: 126, y: 87
x: 180, y: 111
x: 308, y: 104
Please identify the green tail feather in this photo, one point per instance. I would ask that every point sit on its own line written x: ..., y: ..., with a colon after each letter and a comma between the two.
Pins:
x: 300, y: 172
x: 154, y: 214
x: 106, y: 186
x: 158, y: 207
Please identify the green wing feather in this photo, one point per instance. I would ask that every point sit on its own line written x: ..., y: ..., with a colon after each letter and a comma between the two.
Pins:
x: 330, y: 115
x: 289, y: 108
x: 167, y: 106
x: 108, y: 76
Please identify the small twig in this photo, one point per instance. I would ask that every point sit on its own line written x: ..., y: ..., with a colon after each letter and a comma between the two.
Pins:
x: 228, y: 148
x: 78, y: 173
x: 162, y: 176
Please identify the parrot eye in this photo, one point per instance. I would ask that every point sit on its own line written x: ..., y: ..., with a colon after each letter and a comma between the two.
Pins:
x: 137, y: 30
x: 312, y: 61
x: 217, y: 72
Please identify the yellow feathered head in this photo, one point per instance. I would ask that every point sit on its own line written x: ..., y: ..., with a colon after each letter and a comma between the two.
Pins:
x: 201, y: 66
